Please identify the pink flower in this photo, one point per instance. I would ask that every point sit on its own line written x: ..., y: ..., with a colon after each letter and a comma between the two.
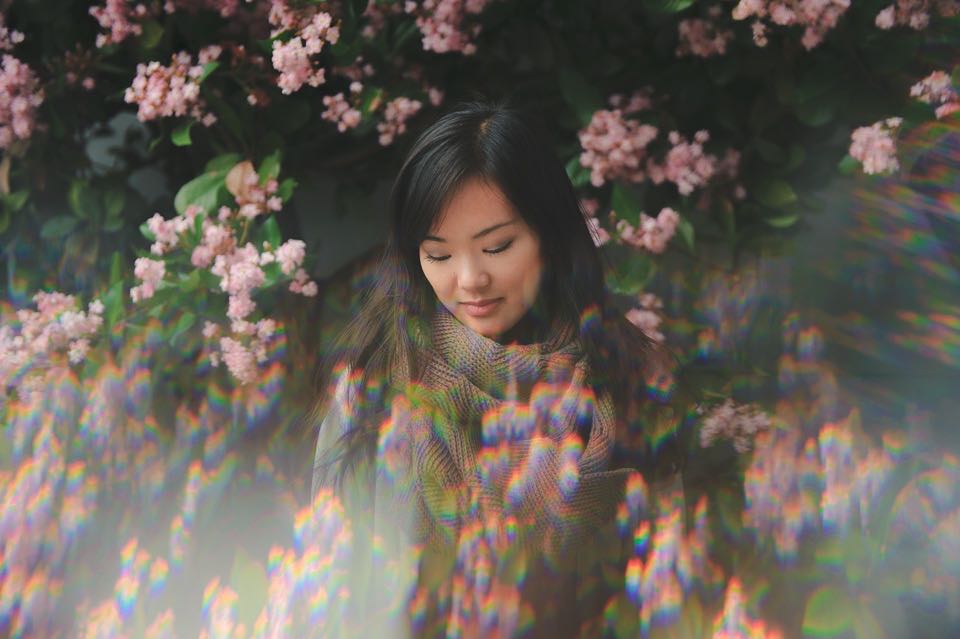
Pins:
x: 117, y: 16
x: 150, y: 272
x: 915, y: 13
x: 937, y: 89
x: 647, y: 321
x: 701, y: 38
x: 395, y: 117
x: 240, y: 361
x: 290, y: 255
x: 295, y: 59
x: 8, y: 37
x: 340, y: 112
x: 686, y: 164
x: 444, y: 24
x: 597, y: 232
x: 170, y: 91
x: 816, y: 16
x: 614, y: 148
x: 740, y: 424
x: 875, y: 147
x: 20, y: 96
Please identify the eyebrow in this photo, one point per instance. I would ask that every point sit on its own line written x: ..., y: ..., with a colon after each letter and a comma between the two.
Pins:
x: 486, y: 231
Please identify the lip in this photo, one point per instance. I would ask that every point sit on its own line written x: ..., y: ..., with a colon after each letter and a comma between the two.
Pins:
x: 481, y: 308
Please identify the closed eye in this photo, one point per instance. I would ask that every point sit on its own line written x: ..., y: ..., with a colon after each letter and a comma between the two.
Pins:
x: 499, y: 249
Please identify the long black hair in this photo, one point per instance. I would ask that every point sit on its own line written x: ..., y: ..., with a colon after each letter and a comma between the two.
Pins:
x: 504, y: 147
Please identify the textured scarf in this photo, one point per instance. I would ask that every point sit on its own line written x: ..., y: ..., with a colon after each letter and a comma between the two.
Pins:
x: 509, y: 438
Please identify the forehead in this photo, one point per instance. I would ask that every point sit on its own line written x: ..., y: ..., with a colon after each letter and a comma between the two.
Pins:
x: 473, y: 207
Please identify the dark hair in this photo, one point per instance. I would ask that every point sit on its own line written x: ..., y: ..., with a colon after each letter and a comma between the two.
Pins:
x: 503, y: 147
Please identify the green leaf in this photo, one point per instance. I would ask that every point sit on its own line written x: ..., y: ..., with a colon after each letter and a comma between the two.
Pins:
x: 667, y: 6
x: 270, y: 167
x: 113, y: 302
x: 848, y: 165
x: 181, y: 135
x: 151, y: 35
x: 208, y: 68
x: 15, y: 201
x: 829, y: 612
x: 582, y: 97
x: 113, y: 201
x: 147, y: 233
x: 579, y: 175
x: 686, y: 232
x: 629, y: 276
x: 769, y: 151
x: 82, y: 200
x: 815, y: 112
x: 189, y: 283
x: 5, y: 218
x: 184, y: 324
x: 116, y: 268
x: 204, y: 191
x: 782, y: 221
x: 775, y: 193
x: 270, y: 232
x: 223, y: 162
x: 626, y: 203
x: 58, y: 227
x: 286, y: 188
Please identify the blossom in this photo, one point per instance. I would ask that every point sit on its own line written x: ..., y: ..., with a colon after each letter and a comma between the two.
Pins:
x: 816, y: 16
x: 937, y: 89
x: 738, y: 423
x: 686, y: 164
x: 395, y: 117
x: 243, y: 182
x: 701, y: 38
x: 339, y: 111
x: 290, y: 255
x: 646, y: 319
x: 20, y: 96
x: 444, y: 24
x: 150, y: 272
x: 119, y: 18
x: 653, y: 233
x: 312, y: 30
x: 240, y: 360
x: 613, y: 147
x: 915, y: 13
x: 225, y: 8
x: 8, y: 37
x: 875, y: 147
x: 597, y: 232
x: 167, y: 91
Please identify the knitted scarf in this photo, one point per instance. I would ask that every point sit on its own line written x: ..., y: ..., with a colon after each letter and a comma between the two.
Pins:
x: 508, y: 438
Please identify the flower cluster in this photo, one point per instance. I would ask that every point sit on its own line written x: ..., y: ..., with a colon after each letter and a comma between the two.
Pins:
x: 161, y: 91
x: 395, y: 117
x: 340, y: 111
x: 646, y: 317
x: 915, y: 13
x: 376, y: 14
x: 252, y: 198
x: 20, y: 95
x: 311, y: 29
x: 119, y: 18
x: 702, y: 38
x: 9, y: 38
x: 817, y: 17
x: 242, y: 268
x: 686, y: 164
x: 637, y: 101
x: 443, y: 24
x: 54, y: 328
x: 737, y: 423
x: 937, y: 89
x: 875, y: 148
x: 653, y: 234
x: 614, y: 147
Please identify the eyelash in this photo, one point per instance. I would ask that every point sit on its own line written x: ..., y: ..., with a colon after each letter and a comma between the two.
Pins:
x: 500, y: 249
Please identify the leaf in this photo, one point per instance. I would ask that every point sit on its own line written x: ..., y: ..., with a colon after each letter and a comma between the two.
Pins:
x: 208, y: 68
x: 270, y: 167
x: 582, y: 97
x: 667, y: 6
x: 203, y: 191
x: 782, y: 221
x: 58, y: 227
x: 223, y: 162
x: 147, y: 233
x: 579, y: 175
x: 181, y: 135
x: 116, y: 268
x: 848, y: 165
x: 775, y: 193
x: 286, y: 188
x: 81, y: 199
x: 151, y: 35
x: 769, y: 151
x: 625, y: 202
x: 270, y: 232
x: 16, y: 200
x: 5, y: 218
x: 630, y: 275
x: 815, y: 112
x: 184, y: 324
x: 113, y: 201
x: 828, y: 613
x: 686, y: 232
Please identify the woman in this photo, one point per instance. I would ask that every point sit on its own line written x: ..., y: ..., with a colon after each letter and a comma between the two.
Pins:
x: 486, y: 394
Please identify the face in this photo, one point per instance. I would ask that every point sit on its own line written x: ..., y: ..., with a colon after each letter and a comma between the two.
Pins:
x: 483, y: 252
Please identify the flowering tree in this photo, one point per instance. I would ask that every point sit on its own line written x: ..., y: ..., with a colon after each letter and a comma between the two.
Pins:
x: 687, y: 127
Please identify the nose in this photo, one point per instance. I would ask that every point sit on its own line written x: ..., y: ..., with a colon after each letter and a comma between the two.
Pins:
x: 473, y: 276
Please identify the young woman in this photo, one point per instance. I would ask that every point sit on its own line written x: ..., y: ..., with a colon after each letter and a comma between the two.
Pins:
x: 484, y: 398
